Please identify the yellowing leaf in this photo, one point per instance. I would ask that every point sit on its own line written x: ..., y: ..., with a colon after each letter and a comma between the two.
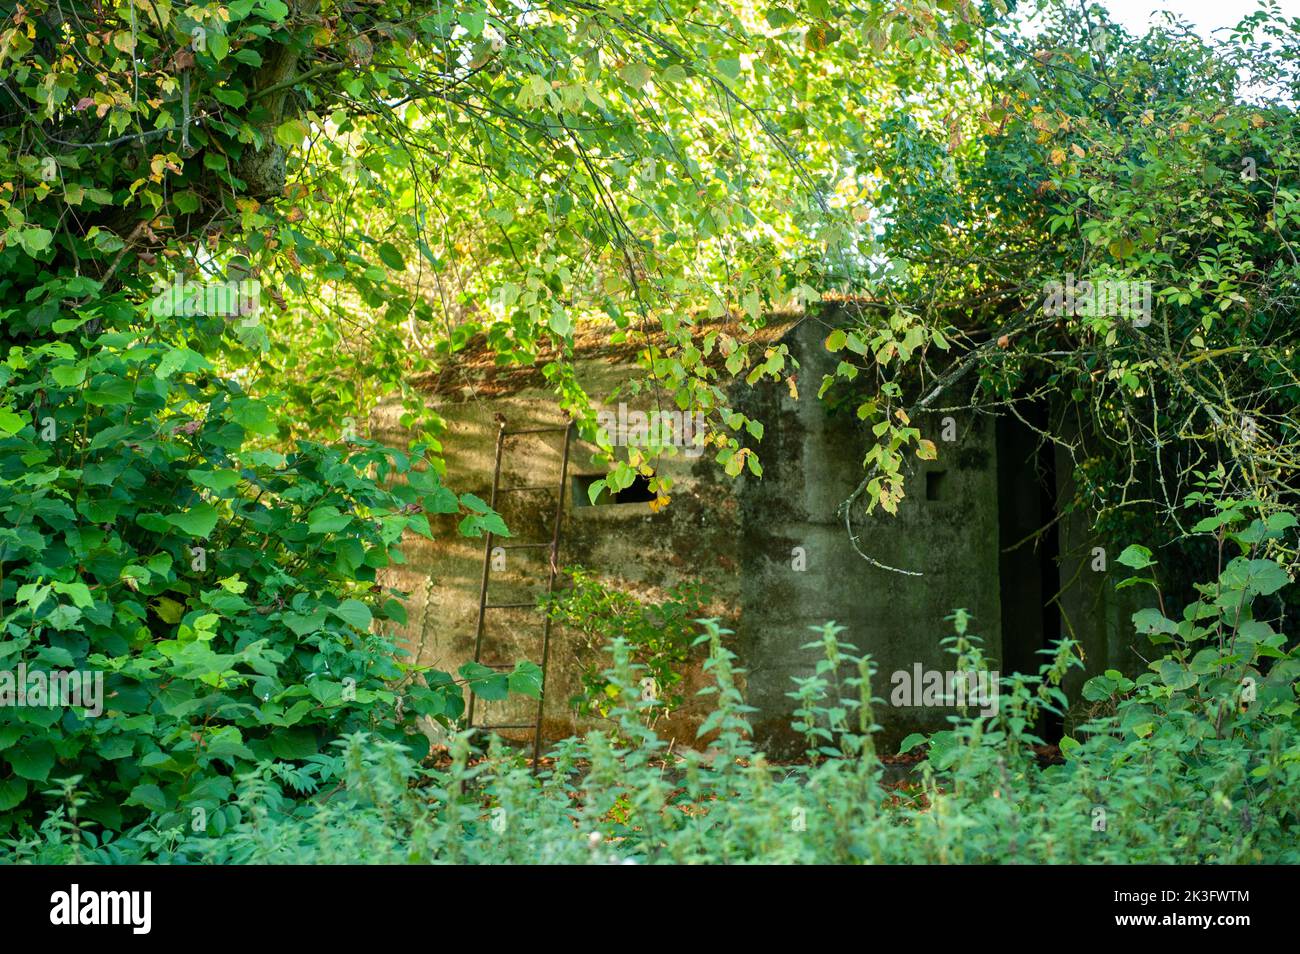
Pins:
x: 636, y: 75
x: 169, y: 611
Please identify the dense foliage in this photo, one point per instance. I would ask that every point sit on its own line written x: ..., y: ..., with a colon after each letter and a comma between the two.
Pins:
x: 1194, y: 761
x: 1165, y: 162
x: 186, y: 503
x: 231, y: 228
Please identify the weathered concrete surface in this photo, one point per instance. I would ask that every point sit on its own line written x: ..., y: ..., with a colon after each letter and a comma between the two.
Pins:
x: 812, y: 462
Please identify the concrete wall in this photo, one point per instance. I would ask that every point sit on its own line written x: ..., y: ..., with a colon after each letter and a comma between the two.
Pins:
x: 812, y: 462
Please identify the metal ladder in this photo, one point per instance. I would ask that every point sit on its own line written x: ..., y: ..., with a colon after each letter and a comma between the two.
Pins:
x: 552, y: 572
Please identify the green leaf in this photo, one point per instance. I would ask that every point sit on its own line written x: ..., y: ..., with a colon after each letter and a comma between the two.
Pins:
x: 911, y: 742
x: 218, y: 45
x: 526, y: 679
x: 148, y: 795
x: 391, y: 257
x: 1176, y: 676
x: 560, y: 323
x: 116, y: 747
x: 354, y: 613
x: 169, y: 610
x: 253, y: 415
x: 180, y: 359
x: 68, y: 375
x: 1151, y: 620
x: 32, y: 760
x: 218, y: 480
x: 636, y: 75
x: 486, y: 683
x: 186, y: 202
x: 1262, y: 577
x: 109, y: 392
x: 198, y: 521
x: 394, y: 610
x: 493, y: 523
x: 79, y: 593
x: 291, y: 134
x: 10, y: 423
x: 273, y: 10
x: 1281, y: 521
x: 327, y: 520
x: 302, y: 624
x: 1137, y: 557
x: 230, y: 97
x: 33, y: 240
x: 294, y: 744
x: 64, y: 325
x: 442, y: 500
x: 12, y: 793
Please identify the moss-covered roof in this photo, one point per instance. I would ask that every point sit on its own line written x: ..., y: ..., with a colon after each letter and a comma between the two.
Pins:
x: 477, y: 370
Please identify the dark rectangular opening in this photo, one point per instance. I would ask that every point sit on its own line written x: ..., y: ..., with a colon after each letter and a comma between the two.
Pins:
x: 1029, y: 549
x: 934, y: 480
x: 637, y: 492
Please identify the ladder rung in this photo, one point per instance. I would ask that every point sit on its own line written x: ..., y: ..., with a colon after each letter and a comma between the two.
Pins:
x: 523, y: 546
x: 508, y: 605
x: 511, y: 490
x: 509, y: 725
x: 536, y: 430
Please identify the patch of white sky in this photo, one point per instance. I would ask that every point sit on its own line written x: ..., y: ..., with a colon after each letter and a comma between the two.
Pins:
x: 1204, y: 16
x: 1211, y: 20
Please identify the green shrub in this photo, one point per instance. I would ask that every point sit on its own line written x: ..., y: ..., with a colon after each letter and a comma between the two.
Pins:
x: 658, y: 635
x: 1196, y: 760
x: 227, y: 594
x: 1175, y: 772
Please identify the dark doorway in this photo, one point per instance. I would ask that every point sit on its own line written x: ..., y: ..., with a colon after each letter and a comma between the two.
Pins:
x: 1028, y: 568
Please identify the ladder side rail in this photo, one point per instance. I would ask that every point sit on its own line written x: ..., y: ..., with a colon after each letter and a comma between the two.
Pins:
x: 487, y: 568
x: 550, y: 590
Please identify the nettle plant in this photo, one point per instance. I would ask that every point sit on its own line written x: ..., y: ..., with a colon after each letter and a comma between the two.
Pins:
x: 228, y: 593
x: 1130, y: 790
x: 1123, y: 795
